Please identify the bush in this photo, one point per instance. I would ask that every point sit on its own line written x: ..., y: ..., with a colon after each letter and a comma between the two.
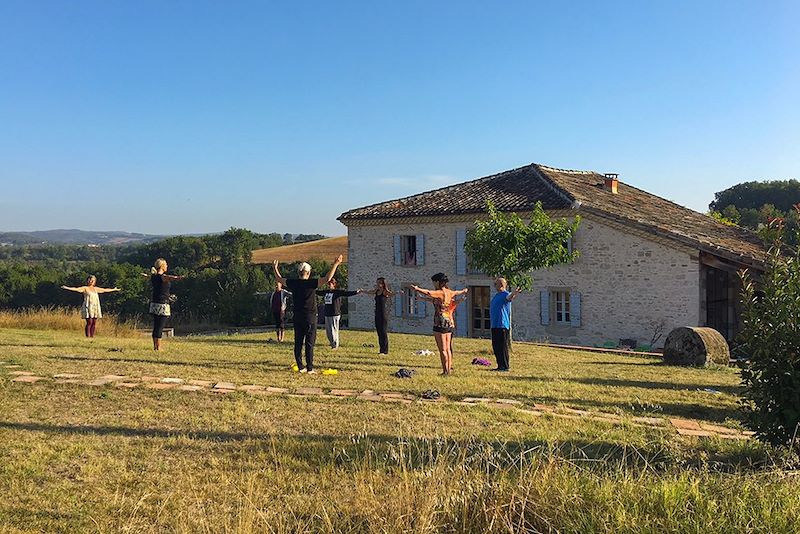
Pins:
x: 771, y: 339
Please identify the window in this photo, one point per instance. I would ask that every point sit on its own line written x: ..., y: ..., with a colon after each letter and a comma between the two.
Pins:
x: 409, y: 304
x: 409, y: 250
x: 561, y: 305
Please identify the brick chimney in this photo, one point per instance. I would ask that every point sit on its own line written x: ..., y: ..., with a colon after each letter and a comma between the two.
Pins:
x: 611, y: 182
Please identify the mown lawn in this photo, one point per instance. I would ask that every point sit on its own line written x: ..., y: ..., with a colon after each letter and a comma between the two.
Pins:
x: 82, y: 459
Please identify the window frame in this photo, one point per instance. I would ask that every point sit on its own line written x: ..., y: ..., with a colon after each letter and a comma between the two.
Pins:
x: 566, y: 308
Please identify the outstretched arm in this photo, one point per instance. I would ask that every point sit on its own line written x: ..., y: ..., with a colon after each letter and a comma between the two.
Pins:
x: 75, y: 289
x: 106, y: 290
x: 336, y: 263
x: 278, y: 277
x: 461, y: 291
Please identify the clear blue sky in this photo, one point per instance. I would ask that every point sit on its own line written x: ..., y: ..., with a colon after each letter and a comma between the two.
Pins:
x: 189, y: 116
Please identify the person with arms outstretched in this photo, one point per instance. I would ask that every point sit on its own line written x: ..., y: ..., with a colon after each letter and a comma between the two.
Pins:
x: 443, y: 324
x: 90, y: 311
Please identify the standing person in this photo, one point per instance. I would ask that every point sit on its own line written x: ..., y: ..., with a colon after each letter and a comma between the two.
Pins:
x: 90, y: 311
x: 278, y: 301
x: 452, y: 309
x: 305, y: 309
x: 443, y: 325
x: 500, y: 318
x: 333, y: 310
x: 160, y: 300
x: 382, y: 293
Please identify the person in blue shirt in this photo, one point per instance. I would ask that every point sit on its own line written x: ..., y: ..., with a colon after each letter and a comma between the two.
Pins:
x: 500, y: 317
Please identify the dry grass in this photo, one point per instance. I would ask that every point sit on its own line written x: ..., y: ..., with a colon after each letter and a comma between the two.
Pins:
x: 322, y: 249
x: 82, y: 459
x: 53, y: 318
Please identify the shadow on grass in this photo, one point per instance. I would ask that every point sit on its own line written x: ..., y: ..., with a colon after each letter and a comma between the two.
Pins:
x: 687, y: 410
x: 649, y: 384
x: 382, y: 450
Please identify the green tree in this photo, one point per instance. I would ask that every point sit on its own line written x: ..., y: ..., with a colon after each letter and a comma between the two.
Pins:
x: 782, y: 194
x: 771, y: 338
x: 504, y: 245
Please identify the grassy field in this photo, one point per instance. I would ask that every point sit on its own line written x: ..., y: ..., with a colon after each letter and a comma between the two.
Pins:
x: 81, y: 459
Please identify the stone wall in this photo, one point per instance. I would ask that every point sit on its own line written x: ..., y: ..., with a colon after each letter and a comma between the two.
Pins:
x: 629, y: 284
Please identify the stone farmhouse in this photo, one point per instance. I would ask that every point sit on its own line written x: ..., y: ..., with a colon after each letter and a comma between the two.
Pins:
x: 646, y: 265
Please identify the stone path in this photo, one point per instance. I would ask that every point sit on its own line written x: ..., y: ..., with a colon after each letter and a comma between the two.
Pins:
x: 684, y: 427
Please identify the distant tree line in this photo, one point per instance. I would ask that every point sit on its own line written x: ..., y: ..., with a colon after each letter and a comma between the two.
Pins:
x: 219, y: 289
x: 755, y: 205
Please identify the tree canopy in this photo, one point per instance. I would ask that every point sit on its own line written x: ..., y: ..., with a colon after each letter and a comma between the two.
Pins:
x: 504, y: 245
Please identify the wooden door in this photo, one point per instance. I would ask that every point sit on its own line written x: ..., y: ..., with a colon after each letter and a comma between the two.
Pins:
x: 480, y: 324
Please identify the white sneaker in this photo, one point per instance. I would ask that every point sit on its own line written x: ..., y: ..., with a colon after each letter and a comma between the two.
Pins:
x: 312, y: 372
x: 303, y: 370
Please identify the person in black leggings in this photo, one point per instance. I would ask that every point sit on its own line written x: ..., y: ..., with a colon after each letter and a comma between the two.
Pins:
x: 159, y: 303
x: 382, y: 293
x: 305, y: 309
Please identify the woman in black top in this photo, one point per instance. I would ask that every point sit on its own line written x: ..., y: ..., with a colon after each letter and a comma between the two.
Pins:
x: 382, y: 293
x: 160, y: 300
x: 305, y: 309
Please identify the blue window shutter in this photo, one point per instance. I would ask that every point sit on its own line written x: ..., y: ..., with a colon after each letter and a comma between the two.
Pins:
x: 398, y: 304
x: 461, y: 318
x: 575, y: 309
x: 544, y: 306
x: 420, y: 249
x: 461, y: 255
x: 422, y: 308
x: 397, y: 251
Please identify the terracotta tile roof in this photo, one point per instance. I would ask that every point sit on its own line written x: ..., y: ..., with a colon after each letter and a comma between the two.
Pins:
x: 519, y: 190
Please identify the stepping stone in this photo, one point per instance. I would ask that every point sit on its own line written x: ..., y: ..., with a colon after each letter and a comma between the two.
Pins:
x: 582, y: 413
x: 251, y: 387
x: 535, y: 413
x: 222, y: 391
x: 691, y: 432
x: 476, y: 399
x: 97, y: 382
x: 66, y: 375
x: 748, y: 433
x: 172, y: 380
x: 606, y: 417
x: 509, y: 401
x: 159, y: 385
x: 112, y: 378
x: 308, y: 391
x: 392, y: 395
x: 189, y: 388
x: 201, y: 383
x: 150, y: 379
x: 650, y: 421
x: 718, y: 429
x: 28, y: 379
x: 344, y: 392
x: 685, y: 424
x: 370, y: 396
x: 270, y: 389
x: 13, y: 366
x: 368, y: 392
x: 20, y: 373
x: 733, y: 436
x: 127, y: 385
x: 225, y: 385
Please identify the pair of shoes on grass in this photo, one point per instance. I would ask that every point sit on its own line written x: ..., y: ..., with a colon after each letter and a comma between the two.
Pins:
x: 500, y: 370
x: 431, y: 394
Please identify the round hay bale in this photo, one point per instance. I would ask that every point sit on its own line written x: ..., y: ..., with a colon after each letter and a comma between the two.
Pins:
x: 687, y: 345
